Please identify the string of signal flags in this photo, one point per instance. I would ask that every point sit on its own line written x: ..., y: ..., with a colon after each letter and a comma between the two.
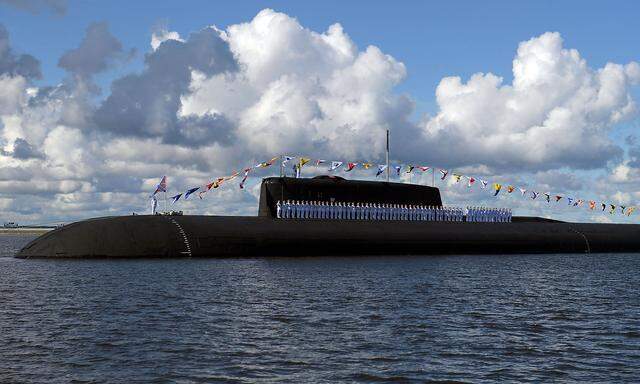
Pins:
x: 298, y: 162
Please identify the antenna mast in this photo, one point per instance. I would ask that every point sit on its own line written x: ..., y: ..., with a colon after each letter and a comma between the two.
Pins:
x: 281, y: 166
x: 387, y: 155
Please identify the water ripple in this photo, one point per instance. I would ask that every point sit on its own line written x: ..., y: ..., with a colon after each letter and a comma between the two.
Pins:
x: 523, y: 318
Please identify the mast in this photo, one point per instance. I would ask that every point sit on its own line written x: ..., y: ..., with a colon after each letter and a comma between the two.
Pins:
x: 281, y: 165
x: 387, y: 155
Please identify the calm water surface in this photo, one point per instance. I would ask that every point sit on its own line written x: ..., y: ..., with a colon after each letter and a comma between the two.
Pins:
x: 541, y: 318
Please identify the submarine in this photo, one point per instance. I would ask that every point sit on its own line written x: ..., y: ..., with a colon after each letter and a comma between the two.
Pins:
x: 178, y: 236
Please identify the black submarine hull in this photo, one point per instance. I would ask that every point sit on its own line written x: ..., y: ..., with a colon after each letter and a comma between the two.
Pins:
x: 224, y: 236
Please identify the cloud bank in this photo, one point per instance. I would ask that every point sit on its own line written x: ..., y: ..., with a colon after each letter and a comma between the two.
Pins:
x: 220, y: 99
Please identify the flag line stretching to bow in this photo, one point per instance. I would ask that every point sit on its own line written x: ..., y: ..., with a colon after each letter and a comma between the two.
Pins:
x: 162, y: 185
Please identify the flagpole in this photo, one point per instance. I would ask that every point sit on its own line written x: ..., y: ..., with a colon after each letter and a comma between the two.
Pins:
x: 433, y: 176
x: 387, y: 155
x: 281, y: 165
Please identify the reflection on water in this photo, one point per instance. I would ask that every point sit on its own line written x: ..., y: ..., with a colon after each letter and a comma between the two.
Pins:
x: 465, y: 318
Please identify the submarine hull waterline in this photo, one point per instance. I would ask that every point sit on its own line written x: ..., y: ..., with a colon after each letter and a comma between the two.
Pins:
x: 233, y: 236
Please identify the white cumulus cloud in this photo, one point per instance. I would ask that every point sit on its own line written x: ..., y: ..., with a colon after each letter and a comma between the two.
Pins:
x: 557, y: 112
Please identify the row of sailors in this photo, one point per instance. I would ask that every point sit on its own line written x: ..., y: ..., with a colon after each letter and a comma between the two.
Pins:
x: 374, y: 211
x: 365, y: 211
x: 489, y: 215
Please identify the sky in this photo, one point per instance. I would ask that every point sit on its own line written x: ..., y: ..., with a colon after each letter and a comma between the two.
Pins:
x: 98, y: 100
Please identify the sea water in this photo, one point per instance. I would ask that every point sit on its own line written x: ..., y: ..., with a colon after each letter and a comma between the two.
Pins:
x: 527, y: 318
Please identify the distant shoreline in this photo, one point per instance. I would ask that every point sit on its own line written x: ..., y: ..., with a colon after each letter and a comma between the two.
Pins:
x: 23, y: 230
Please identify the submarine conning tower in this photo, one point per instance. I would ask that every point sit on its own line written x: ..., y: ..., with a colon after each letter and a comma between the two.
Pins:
x: 338, y: 189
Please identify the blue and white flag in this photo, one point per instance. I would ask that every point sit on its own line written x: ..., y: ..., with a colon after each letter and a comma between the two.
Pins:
x: 189, y: 192
x: 286, y: 159
x: 398, y: 169
x: 381, y: 169
x: 335, y: 165
x: 175, y: 198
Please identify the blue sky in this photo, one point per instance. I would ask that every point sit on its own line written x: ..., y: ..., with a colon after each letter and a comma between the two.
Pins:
x: 433, y: 40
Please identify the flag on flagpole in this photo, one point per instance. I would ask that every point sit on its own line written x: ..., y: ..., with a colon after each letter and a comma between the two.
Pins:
x: 366, y: 165
x: 410, y: 168
x: 630, y: 210
x: 604, y: 206
x: 471, y: 181
x: 216, y: 183
x: 523, y: 191
x: 622, y: 208
x: 558, y: 198
x: 381, y: 169
x: 303, y: 161
x: 398, y: 168
x: 335, y: 165
x: 457, y: 177
x: 570, y: 200
x: 189, y: 192
x: 207, y: 187
x: 175, y: 198
x: 286, y: 159
x: 534, y: 195
x: 424, y: 169
x: 162, y: 186
x: 510, y: 188
x: 444, y: 173
x: 592, y: 205
x: 497, y: 187
x: 244, y: 178
x: 547, y: 196
x: 265, y: 164
x: 350, y: 167
x: 318, y: 162
x: 483, y: 184
x: 613, y: 208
